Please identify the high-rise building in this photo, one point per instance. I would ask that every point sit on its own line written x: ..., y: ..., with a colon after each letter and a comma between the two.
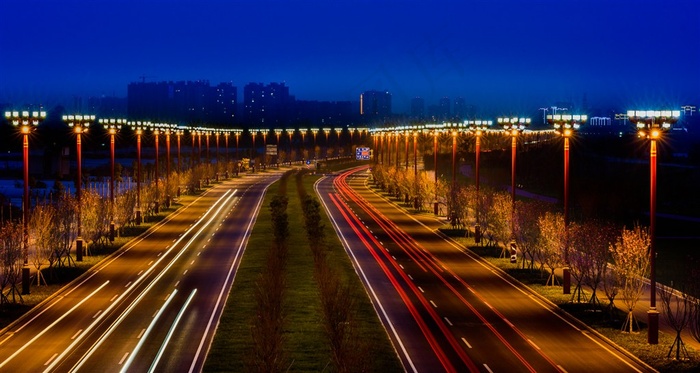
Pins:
x: 267, y: 106
x: 183, y: 102
x: 444, y: 105
x: 417, y: 107
x: 460, y: 108
x: 375, y: 105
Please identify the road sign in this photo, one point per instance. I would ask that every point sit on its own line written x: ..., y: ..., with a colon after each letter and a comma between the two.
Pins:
x: 362, y: 154
x: 271, y: 149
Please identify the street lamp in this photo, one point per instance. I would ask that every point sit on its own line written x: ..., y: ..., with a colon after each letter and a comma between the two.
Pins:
x: 178, y: 134
x: 79, y: 124
x: 436, y: 132
x: 26, y: 124
x: 156, y: 132
x: 478, y: 127
x: 566, y: 125
x: 650, y: 125
x: 138, y: 127
x: 113, y: 126
x: 513, y: 127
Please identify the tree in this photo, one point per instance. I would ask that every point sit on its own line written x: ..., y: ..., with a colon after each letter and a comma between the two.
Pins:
x: 551, y: 242
x: 678, y: 311
x: 630, y: 253
x: 528, y: 229
x: 66, y: 229
x: 12, y: 237
x: 95, y: 220
x: 498, y: 217
x: 41, y: 225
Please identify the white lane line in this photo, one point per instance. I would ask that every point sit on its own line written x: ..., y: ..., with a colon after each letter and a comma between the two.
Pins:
x: 177, y: 283
x: 38, y: 335
x: 127, y: 285
x: 487, y: 368
x: 409, y: 276
x: 400, y: 265
x: 50, y: 359
x: 148, y: 331
x: 149, y: 264
x: 433, y: 303
x: 171, y: 331
x: 421, y: 289
x: 466, y: 343
x: 114, y: 297
x: 184, y: 273
x: 192, y: 262
x: 97, y: 314
x: 448, y: 321
x: 75, y: 335
x: 123, y: 358
x: 141, y: 334
x: 533, y: 343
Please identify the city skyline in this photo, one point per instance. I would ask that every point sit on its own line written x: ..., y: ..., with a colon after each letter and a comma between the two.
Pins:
x: 496, y: 55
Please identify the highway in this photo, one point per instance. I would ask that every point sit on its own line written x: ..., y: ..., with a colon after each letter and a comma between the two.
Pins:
x: 443, y: 307
x: 152, y: 306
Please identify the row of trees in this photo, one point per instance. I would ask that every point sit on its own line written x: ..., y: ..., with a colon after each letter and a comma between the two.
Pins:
x: 601, y: 256
x: 53, y: 224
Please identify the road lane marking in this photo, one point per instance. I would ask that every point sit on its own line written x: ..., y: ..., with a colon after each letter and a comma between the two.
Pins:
x: 141, y: 334
x: 123, y: 358
x: 466, y: 343
x: 114, y: 297
x: 177, y: 283
x: 97, y: 314
x: 411, y: 277
x: 50, y: 359
x: 184, y: 273
x: 19, y: 350
x: 433, y: 303
x: 140, y: 272
x: 421, y: 289
x: 400, y: 265
x: 148, y: 331
x: 166, y: 341
x: 192, y: 262
x: 75, y: 335
x: 533, y: 343
x: 127, y: 285
x: 448, y: 321
x: 487, y: 368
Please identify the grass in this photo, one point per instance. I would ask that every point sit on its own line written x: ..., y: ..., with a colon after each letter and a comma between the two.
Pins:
x: 305, y: 339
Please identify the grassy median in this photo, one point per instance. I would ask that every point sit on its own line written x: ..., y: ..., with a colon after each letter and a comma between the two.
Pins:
x: 306, y: 343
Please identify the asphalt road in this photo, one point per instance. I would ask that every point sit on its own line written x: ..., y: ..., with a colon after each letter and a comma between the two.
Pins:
x: 155, y: 304
x: 444, y: 308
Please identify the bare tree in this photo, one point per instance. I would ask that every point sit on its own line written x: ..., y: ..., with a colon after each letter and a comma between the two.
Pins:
x: 12, y: 234
x: 551, y: 242
x: 66, y: 229
x: 630, y: 253
x: 678, y: 311
x: 41, y: 225
x: 499, y: 217
x: 528, y: 232
x: 588, y: 256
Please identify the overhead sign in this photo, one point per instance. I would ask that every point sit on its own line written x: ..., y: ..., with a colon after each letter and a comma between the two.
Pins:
x: 271, y: 149
x: 362, y: 154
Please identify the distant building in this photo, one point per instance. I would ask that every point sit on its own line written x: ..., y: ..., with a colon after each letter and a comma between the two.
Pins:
x: 600, y: 121
x: 375, y: 105
x: 108, y: 106
x: 445, y: 112
x: 267, y: 106
x: 183, y: 102
x: 417, y: 107
x: 460, y: 108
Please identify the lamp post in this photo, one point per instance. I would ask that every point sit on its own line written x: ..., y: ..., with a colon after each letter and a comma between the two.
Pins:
x: 169, y: 128
x: 178, y: 134
x: 138, y: 127
x: 238, y: 134
x: 566, y: 125
x: 227, y: 133
x: 79, y: 125
x: 26, y: 124
x: 278, y: 133
x: 478, y: 127
x: 156, y: 133
x: 513, y: 127
x: 436, y: 133
x: 651, y: 124
x: 113, y: 126
x: 415, y: 167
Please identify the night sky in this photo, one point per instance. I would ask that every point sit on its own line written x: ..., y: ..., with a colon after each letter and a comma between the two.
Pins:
x: 501, y: 55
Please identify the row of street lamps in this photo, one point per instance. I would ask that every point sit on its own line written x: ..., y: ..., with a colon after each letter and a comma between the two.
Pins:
x: 650, y: 125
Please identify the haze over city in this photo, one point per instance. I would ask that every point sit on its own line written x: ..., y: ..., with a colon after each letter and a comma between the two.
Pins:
x: 498, y: 55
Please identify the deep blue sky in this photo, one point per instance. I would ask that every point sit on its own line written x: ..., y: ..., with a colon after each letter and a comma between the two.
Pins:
x: 500, y: 54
